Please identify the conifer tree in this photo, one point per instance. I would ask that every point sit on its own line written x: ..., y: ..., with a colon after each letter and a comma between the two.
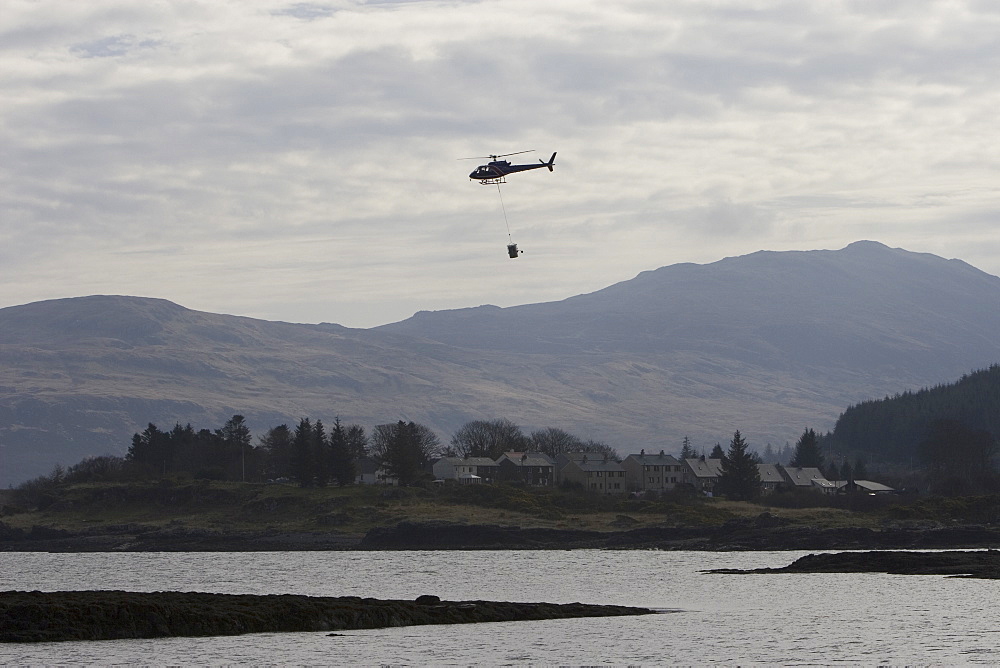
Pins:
x: 687, y: 452
x: 302, y: 463
x: 320, y: 454
x: 279, y: 454
x: 740, y: 478
x: 342, y: 462
x: 860, y: 469
x: 807, y: 452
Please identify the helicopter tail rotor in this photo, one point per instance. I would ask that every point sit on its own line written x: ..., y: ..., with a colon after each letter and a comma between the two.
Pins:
x: 550, y: 163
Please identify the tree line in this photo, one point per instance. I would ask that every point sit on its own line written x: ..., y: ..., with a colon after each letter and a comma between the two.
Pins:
x: 313, y: 454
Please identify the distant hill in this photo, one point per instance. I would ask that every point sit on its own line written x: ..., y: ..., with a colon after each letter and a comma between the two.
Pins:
x: 768, y: 343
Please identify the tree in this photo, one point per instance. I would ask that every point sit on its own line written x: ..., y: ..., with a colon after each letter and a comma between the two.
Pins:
x: 302, y: 449
x: 553, y: 441
x: 960, y: 458
x: 807, y: 452
x: 488, y: 438
x: 717, y: 452
x: 278, y: 452
x: 151, y: 450
x: 600, y: 448
x: 687, y: 452
x: 740, y: 477
x: 357, y: 441
x: 320, y: 454
x: 404, y: 449
x: 860, y: 469
x: 342, y: 462
x: 234, y: 439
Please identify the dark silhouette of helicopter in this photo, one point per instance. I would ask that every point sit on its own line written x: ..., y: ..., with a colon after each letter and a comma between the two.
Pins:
x: 496, y: 170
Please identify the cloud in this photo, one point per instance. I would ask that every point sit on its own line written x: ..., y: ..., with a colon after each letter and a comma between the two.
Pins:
x: 300, y: 160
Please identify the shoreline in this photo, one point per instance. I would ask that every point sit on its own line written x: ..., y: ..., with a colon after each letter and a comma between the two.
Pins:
x: 107, y: 615
x: 732, y: 536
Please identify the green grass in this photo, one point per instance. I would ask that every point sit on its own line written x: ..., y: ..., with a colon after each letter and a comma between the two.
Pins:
x: 354, y: 510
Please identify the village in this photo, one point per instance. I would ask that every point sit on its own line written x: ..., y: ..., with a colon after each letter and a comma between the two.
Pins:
x: 635, y: 474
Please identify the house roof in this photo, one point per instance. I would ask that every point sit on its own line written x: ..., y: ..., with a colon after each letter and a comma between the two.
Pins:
x: 478, y: 461
x: 704, y: 468
x: 805, y: 477
x: 599, y: 465
x: 527, y: 458
x: 579, y: 456
x: 468, y: 461
x: 869, y: 485
x: 654, y: 460
x: 769, y: 473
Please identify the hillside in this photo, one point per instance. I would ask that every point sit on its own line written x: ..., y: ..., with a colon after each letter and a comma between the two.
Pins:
x: 888, y: 428
x: 767, y: 343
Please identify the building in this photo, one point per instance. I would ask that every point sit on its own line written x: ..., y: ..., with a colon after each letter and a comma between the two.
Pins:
x: 658, y: 473
x: 770, y: 478
x: 466, y: 470
x: 813, y: 479
x: 563, y: 458
x: 530, y: 468
x: 372, y: 472
x: 702, y: 474
x: 597, y: 473
x: 862, y: 487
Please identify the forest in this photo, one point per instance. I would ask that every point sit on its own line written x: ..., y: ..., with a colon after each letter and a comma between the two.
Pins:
x: 948, y: 431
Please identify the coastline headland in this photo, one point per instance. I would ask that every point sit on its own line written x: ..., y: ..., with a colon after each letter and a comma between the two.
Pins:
x: 984, y: 564
x: 105, y: 615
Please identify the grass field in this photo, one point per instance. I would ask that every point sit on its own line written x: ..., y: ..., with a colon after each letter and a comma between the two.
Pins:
x: 353, y: 510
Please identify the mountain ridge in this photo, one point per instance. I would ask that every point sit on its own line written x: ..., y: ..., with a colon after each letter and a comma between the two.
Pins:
x: 768, y: 343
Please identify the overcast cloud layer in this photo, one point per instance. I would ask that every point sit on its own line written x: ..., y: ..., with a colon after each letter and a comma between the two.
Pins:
x: 299, y: 161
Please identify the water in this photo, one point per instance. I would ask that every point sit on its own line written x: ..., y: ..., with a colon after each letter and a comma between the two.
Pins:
x: 814, y: 619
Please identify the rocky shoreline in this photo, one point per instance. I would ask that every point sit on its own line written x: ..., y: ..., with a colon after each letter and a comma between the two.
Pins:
x: 105, y: 615
x: 764, y: 532
x: 973, y: 564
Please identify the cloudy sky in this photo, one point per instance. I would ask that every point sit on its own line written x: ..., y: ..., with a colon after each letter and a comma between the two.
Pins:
x: 300, y: 161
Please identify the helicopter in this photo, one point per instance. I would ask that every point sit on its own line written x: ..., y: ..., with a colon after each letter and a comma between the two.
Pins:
x: 496, y: 170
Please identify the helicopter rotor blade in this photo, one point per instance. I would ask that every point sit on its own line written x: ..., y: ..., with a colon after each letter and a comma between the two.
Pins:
x: 494, y: 157
x: 504, y: 155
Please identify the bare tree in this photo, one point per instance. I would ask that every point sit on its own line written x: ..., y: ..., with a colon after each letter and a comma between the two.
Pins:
x: 488, y: 438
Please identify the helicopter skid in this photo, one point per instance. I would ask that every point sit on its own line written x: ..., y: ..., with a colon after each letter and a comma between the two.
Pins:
x: 490, y: 182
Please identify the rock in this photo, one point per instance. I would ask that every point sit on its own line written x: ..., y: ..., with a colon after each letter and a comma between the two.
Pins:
x: 101, y: 615
x: 428, y: 599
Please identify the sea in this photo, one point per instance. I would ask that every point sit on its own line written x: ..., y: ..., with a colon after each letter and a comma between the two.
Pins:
x: 775, y: 619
